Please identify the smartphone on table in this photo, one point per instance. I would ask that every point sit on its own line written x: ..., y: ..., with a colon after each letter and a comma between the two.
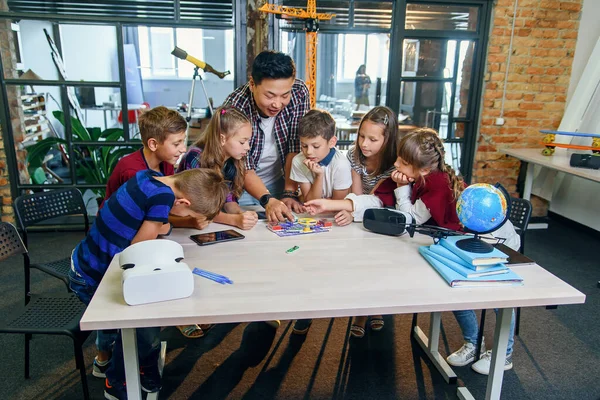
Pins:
x: 204, y: 239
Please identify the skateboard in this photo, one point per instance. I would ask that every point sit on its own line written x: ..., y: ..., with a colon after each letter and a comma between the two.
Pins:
x: 550, y: 136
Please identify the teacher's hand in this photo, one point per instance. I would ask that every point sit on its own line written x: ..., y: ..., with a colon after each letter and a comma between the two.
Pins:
x: 276, y: 210
x: 294, y: 205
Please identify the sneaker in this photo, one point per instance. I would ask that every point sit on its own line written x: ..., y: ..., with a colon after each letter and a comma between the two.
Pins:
x: 117, y: 392
x: 302, y: 326
x: 150, y: 379
x: 485, y: 362
x: 464, y: 355
x: 273, y: 324
x: 99, y: 368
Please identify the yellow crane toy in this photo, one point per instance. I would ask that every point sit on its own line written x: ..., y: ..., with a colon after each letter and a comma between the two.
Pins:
x: 311, y: 26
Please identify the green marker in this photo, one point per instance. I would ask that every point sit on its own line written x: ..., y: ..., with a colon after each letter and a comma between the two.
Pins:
x: 292, y: 249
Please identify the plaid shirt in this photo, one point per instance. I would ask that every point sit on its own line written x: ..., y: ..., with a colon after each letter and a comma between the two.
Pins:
x: 286, y: 122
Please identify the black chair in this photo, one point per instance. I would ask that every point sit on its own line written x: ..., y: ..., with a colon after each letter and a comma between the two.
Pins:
x: 50, y: 315
x: 39, y: 207
x: 520, y: 213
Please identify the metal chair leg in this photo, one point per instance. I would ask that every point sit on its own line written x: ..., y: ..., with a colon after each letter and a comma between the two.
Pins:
x: 27, y: 339
x: 518, y: 321
x: 80, y: 363
x: 480, y: 335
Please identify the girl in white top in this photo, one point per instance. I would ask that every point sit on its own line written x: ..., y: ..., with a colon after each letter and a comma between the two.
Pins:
x: 373, y: 155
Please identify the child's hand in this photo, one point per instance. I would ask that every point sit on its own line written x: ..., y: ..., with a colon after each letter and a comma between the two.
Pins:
x: 313, y: 166
x: 200, y: 222
x: 344, y: 218
x: 246, y: 220
x: 401, y: 179
x: 316, y: 206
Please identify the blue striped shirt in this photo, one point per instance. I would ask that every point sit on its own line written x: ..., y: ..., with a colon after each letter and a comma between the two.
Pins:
x: 142, y: 198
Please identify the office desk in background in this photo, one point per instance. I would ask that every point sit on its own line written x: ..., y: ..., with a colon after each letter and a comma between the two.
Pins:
x: 111, y: 109
x: 559, y: 161
x: 360, y: 273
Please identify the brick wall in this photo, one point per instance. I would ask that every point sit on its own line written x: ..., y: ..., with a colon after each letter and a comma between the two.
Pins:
x: 538, y: 79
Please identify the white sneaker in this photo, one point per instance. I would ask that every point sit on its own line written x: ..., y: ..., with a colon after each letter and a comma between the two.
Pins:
x: 464, y: 355
x: 485, y: 362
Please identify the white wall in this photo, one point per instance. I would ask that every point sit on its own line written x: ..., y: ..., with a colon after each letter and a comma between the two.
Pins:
x: 576, y: 198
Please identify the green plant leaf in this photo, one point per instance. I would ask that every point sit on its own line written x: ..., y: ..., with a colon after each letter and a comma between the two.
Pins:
x: 77, y: 128
x: 37, y: 152
x: 112, y: 134
x: 95, y: 132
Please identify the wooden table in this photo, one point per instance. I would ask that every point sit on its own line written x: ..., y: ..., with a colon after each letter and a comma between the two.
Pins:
x: 559, y: 162
x: 346, y: 272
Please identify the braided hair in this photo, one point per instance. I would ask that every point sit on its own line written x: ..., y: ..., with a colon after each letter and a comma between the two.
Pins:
x: 423, y: 149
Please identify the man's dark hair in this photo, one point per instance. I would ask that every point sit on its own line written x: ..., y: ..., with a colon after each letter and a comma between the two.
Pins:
x: 316, y: 123
x: 271, y: 64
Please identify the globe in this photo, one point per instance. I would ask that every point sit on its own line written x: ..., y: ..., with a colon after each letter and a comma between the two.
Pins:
x: 482, y: 208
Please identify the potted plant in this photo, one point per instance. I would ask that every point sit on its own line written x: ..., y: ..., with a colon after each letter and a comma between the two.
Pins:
x: 94, y: 164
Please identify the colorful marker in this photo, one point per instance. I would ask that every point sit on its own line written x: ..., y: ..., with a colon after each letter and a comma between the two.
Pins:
x: 292, y: 249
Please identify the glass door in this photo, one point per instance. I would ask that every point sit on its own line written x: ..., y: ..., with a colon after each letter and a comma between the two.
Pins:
x: 440, y: 52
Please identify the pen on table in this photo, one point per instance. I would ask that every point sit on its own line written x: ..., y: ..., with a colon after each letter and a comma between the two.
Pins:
x: 292, y: 249
x: 212, y: 276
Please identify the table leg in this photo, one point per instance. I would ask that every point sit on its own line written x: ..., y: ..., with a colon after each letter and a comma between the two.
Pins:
x: 431, y: 347
x: 494, y: 383
x: 528, y: 181
x: 132, y: 368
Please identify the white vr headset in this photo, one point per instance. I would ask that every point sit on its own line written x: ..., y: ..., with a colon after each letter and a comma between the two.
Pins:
x: 152, y: 272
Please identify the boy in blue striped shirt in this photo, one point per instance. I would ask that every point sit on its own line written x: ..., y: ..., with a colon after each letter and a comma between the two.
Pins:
x: 138, y: 211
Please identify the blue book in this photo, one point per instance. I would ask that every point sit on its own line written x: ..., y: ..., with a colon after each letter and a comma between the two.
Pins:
x: 475, y: 259
x: 459, y: 266
x: 455, y: 279
x: 444, y: 252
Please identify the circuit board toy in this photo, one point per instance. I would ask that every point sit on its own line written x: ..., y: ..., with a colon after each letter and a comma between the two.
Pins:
x: 302, y: 226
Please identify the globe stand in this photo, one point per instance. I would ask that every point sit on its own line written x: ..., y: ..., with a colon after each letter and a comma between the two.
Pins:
x: 474, y: 245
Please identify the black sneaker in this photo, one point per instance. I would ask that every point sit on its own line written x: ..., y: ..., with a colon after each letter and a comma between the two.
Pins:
x: 98, y: 369
x: 150, y: 379
x: 302, y: 326
x: 117, y: 392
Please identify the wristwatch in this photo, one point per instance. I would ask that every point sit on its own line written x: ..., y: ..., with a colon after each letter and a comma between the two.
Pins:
x: 264, y: 199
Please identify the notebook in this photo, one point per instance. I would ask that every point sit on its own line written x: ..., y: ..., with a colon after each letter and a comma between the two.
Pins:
x: 459, y: 267
x: 444, y: 252
x: 454, y: 279
x: 475, y: 259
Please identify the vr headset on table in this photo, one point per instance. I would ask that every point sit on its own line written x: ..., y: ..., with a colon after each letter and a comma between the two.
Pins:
x: 392, y: 222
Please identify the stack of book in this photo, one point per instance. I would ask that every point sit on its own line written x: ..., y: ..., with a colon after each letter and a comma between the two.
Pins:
x: 462, y: 268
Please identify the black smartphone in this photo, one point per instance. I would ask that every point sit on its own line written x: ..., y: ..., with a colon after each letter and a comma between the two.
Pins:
x: 204, y: 239
x: 261, y: 215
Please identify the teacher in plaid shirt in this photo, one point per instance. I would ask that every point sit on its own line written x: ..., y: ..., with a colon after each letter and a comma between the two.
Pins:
x: 274, y: 101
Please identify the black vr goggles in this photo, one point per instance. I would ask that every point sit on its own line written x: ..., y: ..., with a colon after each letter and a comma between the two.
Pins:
x: 392, y: 222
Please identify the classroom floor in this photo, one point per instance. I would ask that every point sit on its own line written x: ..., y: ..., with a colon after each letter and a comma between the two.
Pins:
x: 556, y: 355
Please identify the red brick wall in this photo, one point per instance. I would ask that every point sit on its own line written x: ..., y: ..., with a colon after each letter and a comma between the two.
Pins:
x: 538, y: 79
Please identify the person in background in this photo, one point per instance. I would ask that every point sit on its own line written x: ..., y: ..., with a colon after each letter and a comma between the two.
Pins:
x: 362, y: 83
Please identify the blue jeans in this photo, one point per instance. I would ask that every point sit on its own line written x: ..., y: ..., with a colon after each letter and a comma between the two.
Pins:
x: 275, y: 188
x: 467, y: 320
x: 148, y: 340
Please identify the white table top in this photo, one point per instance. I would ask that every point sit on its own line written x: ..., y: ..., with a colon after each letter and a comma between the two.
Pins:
x: 558, y: 161
x: 348, y: 271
